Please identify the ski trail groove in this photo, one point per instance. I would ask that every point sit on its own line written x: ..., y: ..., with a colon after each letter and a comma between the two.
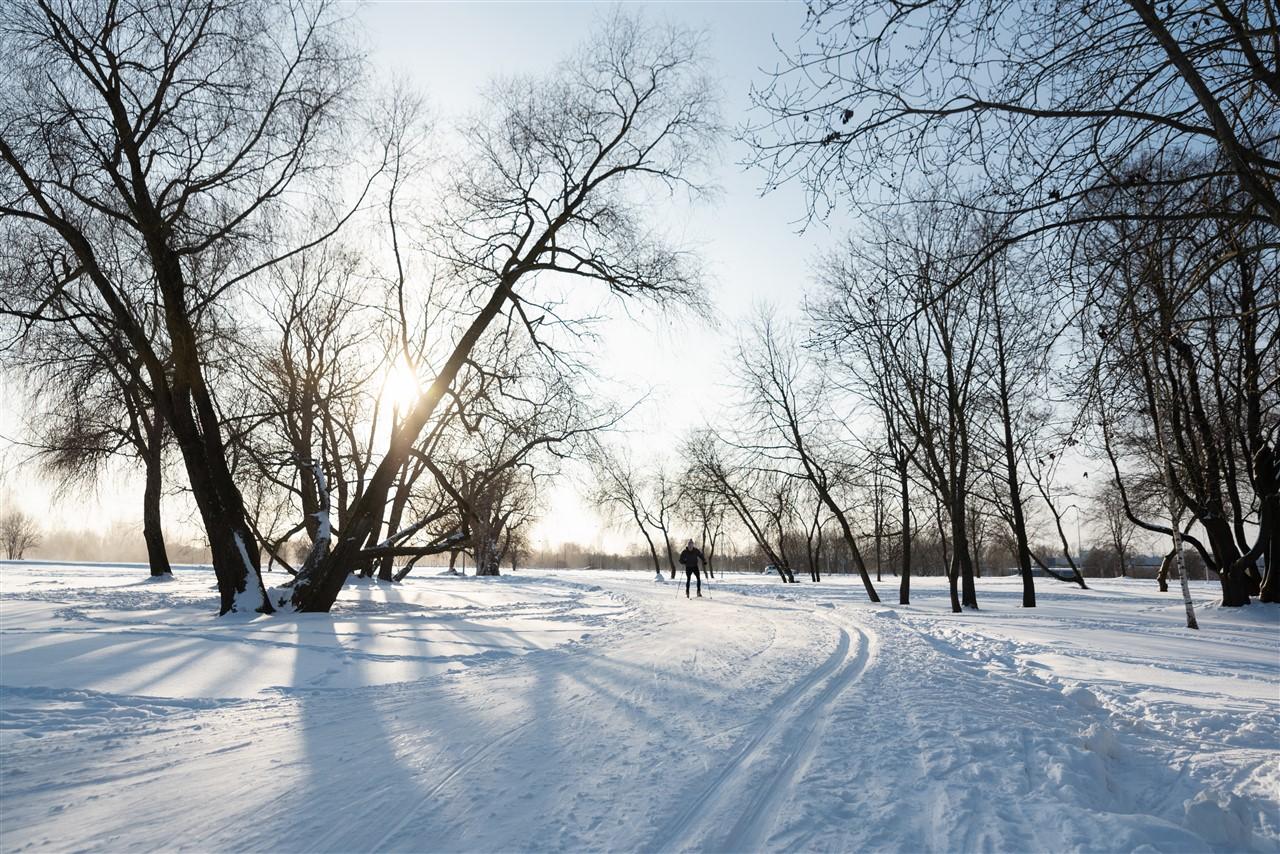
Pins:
x: 761, y: 812
x: 730, y: 785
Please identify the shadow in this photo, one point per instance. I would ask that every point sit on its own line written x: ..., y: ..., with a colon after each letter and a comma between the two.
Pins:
x: 359, y: 774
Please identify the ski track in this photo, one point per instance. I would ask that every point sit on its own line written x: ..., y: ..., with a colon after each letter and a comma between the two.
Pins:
x: 761, y: 812
x: 762, y: 719
x: 735, y: 783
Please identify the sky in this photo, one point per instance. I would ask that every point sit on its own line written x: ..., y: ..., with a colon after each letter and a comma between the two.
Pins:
x: 757, y: 249
x: 752, y: 246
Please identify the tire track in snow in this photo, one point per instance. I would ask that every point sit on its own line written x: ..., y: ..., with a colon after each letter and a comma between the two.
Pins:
x: 734, y: 784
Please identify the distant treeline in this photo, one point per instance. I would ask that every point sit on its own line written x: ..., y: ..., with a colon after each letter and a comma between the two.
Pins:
x: 120, y: 542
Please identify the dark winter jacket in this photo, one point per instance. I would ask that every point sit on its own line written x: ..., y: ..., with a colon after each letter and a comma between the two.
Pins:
x: 690, y: 557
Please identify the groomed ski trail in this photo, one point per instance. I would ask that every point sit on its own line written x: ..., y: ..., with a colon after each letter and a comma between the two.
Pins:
x: 760, y: 774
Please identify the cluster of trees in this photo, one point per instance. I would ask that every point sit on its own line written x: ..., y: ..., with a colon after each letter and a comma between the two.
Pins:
x: 1070, y: 253
x: 659, y: 504
x: 1068, y: 260
x: 802, y: 476
x: 221, y: 247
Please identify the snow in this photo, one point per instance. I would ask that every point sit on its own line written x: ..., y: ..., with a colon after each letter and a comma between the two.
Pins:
x: 574, y: 710
x: 112, y: 632
x: 249, y: 599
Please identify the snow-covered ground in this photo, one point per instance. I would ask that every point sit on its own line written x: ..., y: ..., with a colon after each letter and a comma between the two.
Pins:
x: 585, y: 710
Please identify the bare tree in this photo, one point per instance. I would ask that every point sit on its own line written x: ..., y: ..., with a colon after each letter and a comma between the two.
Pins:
x: 549, y: 191
x: 760, y: 498
x: 876, y: 494
x: 18, y: 532
x: 89, y: 406
x: 1182, y: 359
x: 1116, y: 523
x: 311, y: 382
x: 703, y: 509
x: 1015, y: 374
x: 516, y: 419
x: 173, y: 134
x: 914, y: 339
x: 665, y: 495
x: 784, y: 417
x: 620, y: 486
x: 1046, y: 452
x: 813, y: 523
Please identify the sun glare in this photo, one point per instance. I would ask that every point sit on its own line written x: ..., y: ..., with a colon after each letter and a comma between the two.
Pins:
x: 402, y: 387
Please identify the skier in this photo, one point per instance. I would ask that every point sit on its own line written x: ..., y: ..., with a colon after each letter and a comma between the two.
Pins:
x: 690, y: 557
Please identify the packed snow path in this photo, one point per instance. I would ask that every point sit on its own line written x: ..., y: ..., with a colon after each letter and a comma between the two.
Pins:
x: 603, y: 711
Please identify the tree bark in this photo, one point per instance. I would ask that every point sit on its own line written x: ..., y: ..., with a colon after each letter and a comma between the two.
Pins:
x: 152, y: 529
x: 904, y: 586
x: 961, y: 557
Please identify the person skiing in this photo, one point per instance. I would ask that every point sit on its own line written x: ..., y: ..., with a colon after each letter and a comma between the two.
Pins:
x: 690, y: 558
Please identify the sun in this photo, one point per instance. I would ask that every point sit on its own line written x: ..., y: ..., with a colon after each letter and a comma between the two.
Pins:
x: 401, y: 387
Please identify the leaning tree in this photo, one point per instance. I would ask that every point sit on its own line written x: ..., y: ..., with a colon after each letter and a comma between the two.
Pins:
x: 785, y: 420
x: 550, y: 197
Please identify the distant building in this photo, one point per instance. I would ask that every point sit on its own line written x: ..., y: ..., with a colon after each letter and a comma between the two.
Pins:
x: 1145, y: 566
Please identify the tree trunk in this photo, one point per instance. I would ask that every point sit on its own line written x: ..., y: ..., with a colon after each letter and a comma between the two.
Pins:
x: 233, y: 548
x: 653, y: 551
x: 961, y: 557
x: 186, y: 403
x: 387, y: 569
x: 1266, y: 548
x: 953, y: 578
x: 152, y: 529
x: 817, y: 559
x: 487, y: 557
x: 879, y: 549
x: 1180, y: 562
x: 904, y: 586
x: 364, y: 566
x: 1235, y: 590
